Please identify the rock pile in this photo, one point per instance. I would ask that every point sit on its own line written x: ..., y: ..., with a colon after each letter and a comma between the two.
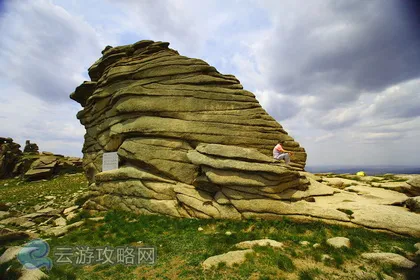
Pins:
x: 31, y: 148
x: 9, y: 156
x: 31, y: 164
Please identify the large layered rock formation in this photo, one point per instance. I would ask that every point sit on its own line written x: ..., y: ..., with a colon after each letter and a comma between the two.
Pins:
x: 192, y: 143
x: 182, y: 127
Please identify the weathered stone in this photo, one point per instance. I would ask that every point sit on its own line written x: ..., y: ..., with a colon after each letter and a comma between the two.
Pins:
x: 70, y: 209
x: 395, y: 186
x: 390, y: 258
x: 304, y: 243
x: 326, y: 257
x: 229, y: 258
x: 415, y: 185
x: 32, y: 274
x: 10, y: 254
x: 61, y: 230
x: 339, y: 242
x: 221, y: 198
x: 60, y: 221
x: 384, y: 196
x: 260, y: 242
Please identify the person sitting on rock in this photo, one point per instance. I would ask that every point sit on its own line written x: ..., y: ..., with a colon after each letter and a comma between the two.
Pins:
x: 279, y: 153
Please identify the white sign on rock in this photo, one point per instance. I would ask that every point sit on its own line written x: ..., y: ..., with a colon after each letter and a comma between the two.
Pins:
x: 109, y: 161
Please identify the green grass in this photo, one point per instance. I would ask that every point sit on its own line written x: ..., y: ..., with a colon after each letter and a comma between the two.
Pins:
x: 309, y: 274
x: 32, y: 193
x: 181, y: 248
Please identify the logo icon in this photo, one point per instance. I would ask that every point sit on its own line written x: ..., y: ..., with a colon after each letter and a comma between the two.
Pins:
x: 34, y: 255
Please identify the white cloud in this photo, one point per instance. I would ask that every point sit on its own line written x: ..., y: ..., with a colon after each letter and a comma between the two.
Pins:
x: 341, y: 77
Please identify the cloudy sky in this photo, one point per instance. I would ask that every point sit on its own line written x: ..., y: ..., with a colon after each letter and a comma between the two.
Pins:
x: 342, y: 77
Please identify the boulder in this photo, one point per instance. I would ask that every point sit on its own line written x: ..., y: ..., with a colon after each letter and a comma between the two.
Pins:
x: 390, y: 258
x: 229, y: 258
x: 339, y: 242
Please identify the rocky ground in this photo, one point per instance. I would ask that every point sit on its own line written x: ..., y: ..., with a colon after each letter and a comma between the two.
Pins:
x: 220, y: 249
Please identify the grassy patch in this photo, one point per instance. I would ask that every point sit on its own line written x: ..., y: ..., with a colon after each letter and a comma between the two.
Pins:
x: 24, y: 195
x: 181, y: 248
x: 309, y: 274
x: 285, y: 263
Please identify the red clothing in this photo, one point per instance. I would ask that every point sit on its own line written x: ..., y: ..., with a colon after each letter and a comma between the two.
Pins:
x: 278, y: 147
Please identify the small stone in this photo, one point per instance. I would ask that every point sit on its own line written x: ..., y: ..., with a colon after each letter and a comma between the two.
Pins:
x: 228, y: 233
x: 417, y: 246
x: 70, y: 209
x: 390, y: 258
x: 49, y: 197
x: 61, y: 230
x: 28, y: 224
x: 304, y: 243
x: 316, y: 245
x: 71, y: 216
x: 6, y: 184
x: 96, y: 219
x: 339, y: 242
x: 200, y: 229
x: 60, y: 221
x: 326, y: 257
x: 46, y: 210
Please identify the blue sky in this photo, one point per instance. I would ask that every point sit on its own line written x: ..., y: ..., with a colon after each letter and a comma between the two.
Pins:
x: 341, y: 77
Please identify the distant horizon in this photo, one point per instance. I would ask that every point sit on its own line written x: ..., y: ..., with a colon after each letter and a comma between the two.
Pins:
x: 367, y: 165
x: 368, y: 169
